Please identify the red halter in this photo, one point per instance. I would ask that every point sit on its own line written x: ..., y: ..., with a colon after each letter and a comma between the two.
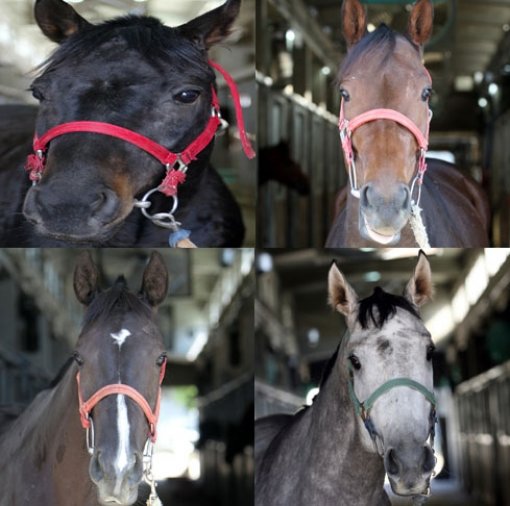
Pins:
x: 87, y: 406
x: 175, y: 163
x: 347, y: 128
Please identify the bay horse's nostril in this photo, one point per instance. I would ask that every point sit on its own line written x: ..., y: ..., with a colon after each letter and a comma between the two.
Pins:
x: 105, y: 206
x: 365, y: 195
x: 403, y: 197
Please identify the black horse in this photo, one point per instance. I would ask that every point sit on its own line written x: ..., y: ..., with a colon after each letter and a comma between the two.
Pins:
x: 131, y: 72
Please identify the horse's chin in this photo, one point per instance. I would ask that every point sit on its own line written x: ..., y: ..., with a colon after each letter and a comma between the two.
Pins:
x: 387, y: 236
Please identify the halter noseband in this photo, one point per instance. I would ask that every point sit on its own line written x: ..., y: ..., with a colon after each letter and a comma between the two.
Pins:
x: 176, y: 164
x: 86, y: 407
x: 363, y: 408
x: 347, y: 128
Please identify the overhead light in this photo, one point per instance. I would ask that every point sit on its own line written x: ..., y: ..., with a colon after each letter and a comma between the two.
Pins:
x: 463, y: 83
x: 74, y: 1
x: 313, y: 336
x: 478, y: 76
x: 370, y: 27
x: 483, y: 103
x: 506, y: 27
x: 290, y: 36
x: 264, y: 262
x: 372, y: 276
x: 493, y: 89
x: 325, y: 70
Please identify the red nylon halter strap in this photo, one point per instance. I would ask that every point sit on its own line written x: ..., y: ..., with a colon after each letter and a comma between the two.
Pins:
x: 35, y: 162
x: 85, y: 407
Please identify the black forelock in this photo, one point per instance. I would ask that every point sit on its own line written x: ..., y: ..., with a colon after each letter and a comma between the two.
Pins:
x: 382, y: 41
x: 381, y: 306
x: 154, y: 41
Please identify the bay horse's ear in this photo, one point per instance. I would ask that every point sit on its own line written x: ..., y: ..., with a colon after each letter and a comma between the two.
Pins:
x: 155, y: 280
x: 57, y: 19
x: 420, y: 289
x: 342, y: 296
x: 213, y: 26
x: 421, y: 22
x: 86, y: 278
x: 354, y: 21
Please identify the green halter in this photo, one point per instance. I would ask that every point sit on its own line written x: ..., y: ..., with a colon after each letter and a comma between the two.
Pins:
x: 362, y: 408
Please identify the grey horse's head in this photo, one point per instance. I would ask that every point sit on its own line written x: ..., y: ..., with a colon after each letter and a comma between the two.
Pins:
x: 389, y: 368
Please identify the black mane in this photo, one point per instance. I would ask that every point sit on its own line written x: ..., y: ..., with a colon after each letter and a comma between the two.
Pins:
x: 118, y: 299
x: 381, y: 306
x: 383, y: 41
x: 147, y: 35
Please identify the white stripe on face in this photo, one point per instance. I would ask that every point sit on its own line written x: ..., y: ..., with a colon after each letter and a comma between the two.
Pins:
x: 120, y: 337
x: 121, y: 462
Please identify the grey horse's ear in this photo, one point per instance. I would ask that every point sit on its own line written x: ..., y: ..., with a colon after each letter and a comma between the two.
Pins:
x: 57, y: 19
x: 86, y: 278
x: 155, y: 280
x: 213, y: 26
x: 342, y: 296
x: 420, y: 289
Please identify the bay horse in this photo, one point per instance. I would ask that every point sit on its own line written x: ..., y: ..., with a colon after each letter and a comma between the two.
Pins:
x: 87, y: 439
x: 126, y: 123
x: 374, y: 413
x: 395, y: 196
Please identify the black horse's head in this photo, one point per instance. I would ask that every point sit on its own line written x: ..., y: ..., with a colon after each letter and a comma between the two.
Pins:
x: 132, y: 72
x: 119, y: 344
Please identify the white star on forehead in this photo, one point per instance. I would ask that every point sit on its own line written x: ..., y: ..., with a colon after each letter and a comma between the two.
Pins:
x: 120, y: 337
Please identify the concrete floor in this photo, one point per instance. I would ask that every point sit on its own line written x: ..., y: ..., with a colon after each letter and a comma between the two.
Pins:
x: 444, y: 493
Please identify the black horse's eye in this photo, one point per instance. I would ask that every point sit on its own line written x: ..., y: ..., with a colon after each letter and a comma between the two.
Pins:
x: 37, y: 93
x: 78, y: 358
x: 353, y: 359
x: 426, y: 93
x: 430, y: 352
x: 187, y: 96
x: 345, y: 94
x: 161, y: 359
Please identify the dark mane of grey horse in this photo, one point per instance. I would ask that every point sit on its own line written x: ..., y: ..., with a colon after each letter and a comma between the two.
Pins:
x: 382, y: 41
x: 117, y: 300
x: 148, y: 36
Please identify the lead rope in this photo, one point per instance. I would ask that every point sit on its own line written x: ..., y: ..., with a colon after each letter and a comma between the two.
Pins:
x: 148, y: 477
x: 418, y: 227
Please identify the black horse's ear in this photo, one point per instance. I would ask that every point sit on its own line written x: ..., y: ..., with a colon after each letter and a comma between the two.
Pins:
x: 421, y: 22
x: 354, y: 21
x: 213, y: 26
x: 57, y: 19
x: 155, y: 280
x: 86, y: 278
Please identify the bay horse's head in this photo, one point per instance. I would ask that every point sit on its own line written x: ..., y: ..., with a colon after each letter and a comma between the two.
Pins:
x: 387, y: 364
x: 384, y: 118
x: 131, y: 72
x: 120, y: 347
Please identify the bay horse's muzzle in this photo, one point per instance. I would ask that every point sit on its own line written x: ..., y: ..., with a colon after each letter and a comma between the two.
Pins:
x: 382, y: 217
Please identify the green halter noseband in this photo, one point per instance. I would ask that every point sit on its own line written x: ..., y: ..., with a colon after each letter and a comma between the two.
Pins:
x: 363, y: 408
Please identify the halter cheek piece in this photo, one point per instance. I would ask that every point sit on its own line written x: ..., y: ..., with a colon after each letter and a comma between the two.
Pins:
x: 87, y: 422
x: 363, y: 408
x: 176, y: 164
x: 347, y: 128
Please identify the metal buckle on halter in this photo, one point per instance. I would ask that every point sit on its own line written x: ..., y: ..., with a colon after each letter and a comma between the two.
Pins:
x: 222, y: 128
x: 165, y: 220
x: 90, y: 436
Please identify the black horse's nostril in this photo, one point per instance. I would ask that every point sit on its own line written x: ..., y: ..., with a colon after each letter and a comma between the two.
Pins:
x: 135, y: 474
x: 96, y: 469
x: 105, y: 206
x: 391, y: 462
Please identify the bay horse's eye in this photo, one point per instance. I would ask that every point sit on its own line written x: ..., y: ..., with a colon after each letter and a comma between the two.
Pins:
x: 161, y: 359
x: 37, y: 94
x: 430, y: 352
x: 426, y: 93
x: 78, y: 358
x: 187, y: 96
x: 353, y: 359
x: 345, y: 94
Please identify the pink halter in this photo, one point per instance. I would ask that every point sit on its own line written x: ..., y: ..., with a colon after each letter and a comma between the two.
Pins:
x: 347, y: 128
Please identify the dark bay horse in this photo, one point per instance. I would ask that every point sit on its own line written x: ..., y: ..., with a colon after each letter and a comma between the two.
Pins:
x: 374, y: 414
x: 112, y: 383
x: 134, y: 75
x: 392, y: 198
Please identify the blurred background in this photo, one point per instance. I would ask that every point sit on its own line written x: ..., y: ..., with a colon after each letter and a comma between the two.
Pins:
x: 296, y: 332
x: 23, y: 48
x: 205, y: 434
x: 299, y: 50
